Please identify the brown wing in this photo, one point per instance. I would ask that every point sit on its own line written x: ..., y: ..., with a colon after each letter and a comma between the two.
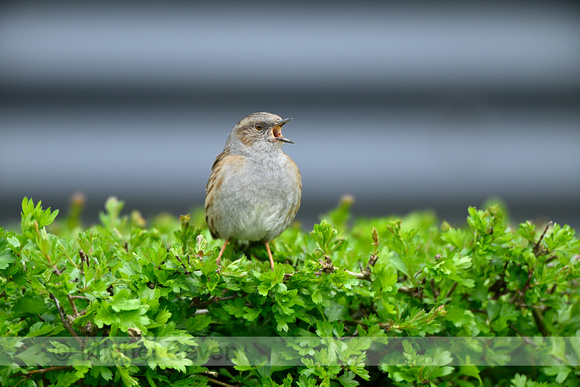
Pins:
x: 216, y: 165
x: 213, y: 187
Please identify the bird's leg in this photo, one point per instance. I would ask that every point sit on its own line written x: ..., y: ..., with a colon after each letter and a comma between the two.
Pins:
x: 270, y: 255
x: 221, y: 252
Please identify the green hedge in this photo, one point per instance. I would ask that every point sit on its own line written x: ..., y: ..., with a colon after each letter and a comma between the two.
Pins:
x: 350, y: 284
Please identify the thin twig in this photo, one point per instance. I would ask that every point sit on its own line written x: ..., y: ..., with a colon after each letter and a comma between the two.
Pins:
x: 356, y: 275
x: 74, y: 307
x: 365, y: 273
x: 405, y: 290
x: 218, y: 382
x: 79, y: 298
x: 537, y: 245
x: 42, y: 371
x: 433, y: 290
x: 539, y: 322
x: 214, y: 300
x: 65, y: 322
x: 383, y: 325
x: 527, y: 285
x: 450, y: 292
x: 413, y: 292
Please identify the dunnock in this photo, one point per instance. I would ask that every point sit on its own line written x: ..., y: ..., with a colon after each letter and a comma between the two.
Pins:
x: 253, y: 192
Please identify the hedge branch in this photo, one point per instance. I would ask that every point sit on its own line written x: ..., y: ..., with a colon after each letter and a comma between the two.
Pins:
x: 450, y: 292
x: 65, y: 322
x: 218, y: 382
x: 74, y: 307
x: 537, y: 246
x: 42, y: 371
x: 539, y: 319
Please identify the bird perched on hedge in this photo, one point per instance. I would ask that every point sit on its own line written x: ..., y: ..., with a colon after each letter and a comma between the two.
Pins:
x: 254, y: 190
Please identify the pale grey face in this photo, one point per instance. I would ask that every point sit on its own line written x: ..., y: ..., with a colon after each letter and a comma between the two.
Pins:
x: 263, y: 127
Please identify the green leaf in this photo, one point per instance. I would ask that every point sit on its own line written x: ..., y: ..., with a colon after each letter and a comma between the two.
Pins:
x: 241, y: 361
x: 163, y: 317
x: 283, y: 321
x: 101, y: 371
x: 317, y: 296
x: 124, y: 374
x: 251, y: 314
x: 326, y: 237
x: 6, y: 258
x: 198, y: 322
x: 66, y: 379
x: 335, y: 312
x: 119, y: 305
x: 30, y: 305
x: 519, y: 381
x: 561, y: 373
x: 33, y: 355
x: 270, y: 279
x: 347, y: 379
x: 385, y: 278
x: 43, y: 329
x: 470, y: 370
x: 105, y: 315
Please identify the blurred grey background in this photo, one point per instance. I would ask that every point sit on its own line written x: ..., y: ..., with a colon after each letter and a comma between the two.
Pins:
x: 403, y: 105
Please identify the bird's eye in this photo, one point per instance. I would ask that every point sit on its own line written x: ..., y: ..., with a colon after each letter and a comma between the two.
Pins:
x: 258, y: 126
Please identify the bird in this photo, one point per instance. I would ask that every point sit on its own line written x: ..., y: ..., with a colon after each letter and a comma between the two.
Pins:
x: 254, y: 189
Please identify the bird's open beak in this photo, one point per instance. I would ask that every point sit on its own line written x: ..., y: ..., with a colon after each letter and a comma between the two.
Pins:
x: 277, y: 131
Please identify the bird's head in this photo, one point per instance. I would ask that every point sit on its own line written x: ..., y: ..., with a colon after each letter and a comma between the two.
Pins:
x: 261, y: 128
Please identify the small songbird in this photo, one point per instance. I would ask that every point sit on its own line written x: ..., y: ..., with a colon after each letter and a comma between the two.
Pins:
x: 253, y: 192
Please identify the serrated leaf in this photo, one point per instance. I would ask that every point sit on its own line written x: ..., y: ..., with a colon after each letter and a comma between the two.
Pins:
x: 42, y: 329
x: 241, y: 361
x: 119, y: 305
x: 347, y: 379
x: 335, y: 312
x: 251, y: 314
x: 104, y: 316
x: 124, y: 373
x: 101, y: 371
x: 163, y: 317
x: 317, y: 296
x: 33, y: 355
x: 6, y: 259
x: 30, y: 305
